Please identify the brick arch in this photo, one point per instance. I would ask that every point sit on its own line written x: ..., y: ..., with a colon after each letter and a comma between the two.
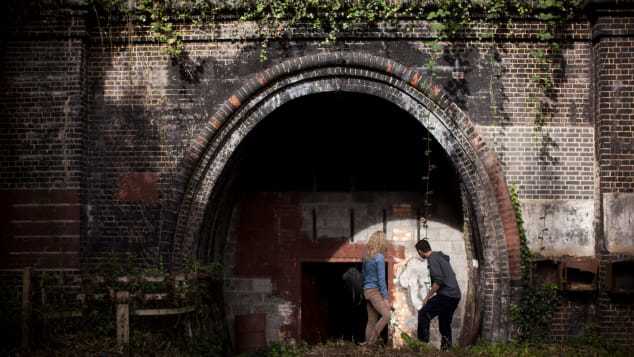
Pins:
x: 477, y: 165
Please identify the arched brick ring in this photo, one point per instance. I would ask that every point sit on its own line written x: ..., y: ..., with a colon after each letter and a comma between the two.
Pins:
x: 477, y: 165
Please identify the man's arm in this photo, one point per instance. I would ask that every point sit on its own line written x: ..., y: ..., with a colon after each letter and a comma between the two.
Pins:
x: 432, y: 292
x: 435, y: 273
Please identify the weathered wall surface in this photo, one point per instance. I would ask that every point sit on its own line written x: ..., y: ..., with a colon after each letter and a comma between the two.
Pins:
x: 618, y: 222
x: 553, y: 168
x: 156, y: 107
x: 274, y: 235
x: 558, y: 228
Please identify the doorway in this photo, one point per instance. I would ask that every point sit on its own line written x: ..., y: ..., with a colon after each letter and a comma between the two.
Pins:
x: 330, y: 308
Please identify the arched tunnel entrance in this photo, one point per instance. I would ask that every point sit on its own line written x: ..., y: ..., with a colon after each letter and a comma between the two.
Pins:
x: 298, y: 200
x: 221, y: 191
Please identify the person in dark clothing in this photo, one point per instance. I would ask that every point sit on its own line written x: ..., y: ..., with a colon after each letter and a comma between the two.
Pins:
x: 443, y: 297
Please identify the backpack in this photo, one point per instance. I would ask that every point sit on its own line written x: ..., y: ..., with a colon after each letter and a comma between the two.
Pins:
x: 353, y: 280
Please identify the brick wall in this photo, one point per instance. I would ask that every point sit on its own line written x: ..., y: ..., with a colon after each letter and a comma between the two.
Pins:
x: 95, y: 128
x: 613, y: 35
x: 562, y: 168
x: 614, y: 56
x: 41, y: 121
x: 142, y: 102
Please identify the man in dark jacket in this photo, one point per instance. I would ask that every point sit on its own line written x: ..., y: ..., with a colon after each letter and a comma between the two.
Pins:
x: 442, y: 299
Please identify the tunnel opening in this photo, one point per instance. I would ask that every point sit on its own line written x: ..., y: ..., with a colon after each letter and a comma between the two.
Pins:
x: 343, y: 142
x: 310, y: 184
x: 331, y: 308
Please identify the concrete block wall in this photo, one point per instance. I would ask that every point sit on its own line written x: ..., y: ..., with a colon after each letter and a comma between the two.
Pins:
x: 265, y: 277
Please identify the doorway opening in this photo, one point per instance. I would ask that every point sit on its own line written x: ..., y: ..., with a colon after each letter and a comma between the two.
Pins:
x: 330, y: 309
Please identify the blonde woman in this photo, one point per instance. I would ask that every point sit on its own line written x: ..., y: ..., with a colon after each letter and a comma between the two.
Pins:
x: 375, y: 288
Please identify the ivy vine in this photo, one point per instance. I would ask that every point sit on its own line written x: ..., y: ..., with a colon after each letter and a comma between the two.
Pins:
x: 160, y: 18
x: 553, y: 14
x: 532, y: 315
x: 525, y: 253
x: 281, y: 19
x: 277, y: 18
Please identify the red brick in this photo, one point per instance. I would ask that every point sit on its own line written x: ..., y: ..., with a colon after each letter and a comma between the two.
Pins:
x: 139, y: 187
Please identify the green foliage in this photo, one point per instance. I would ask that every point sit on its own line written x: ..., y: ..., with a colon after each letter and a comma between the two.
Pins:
x: 573, y: 347
x: 277, y: 19
x: 553, y: 14
x: 285, y: 350
x: 525, y: 253
x: 160, y: 18
x: 280, y: 349
x: 533, y: 314
x: 482, y: 349
x: 415, y: 344
x: 330, y: 17
x: 450, y: 17
x: 501, y: 349
x: 198, y: 333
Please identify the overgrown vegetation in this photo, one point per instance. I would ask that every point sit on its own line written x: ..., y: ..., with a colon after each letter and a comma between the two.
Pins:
x: 278, y: 19
x: 525, y: 253
x: 328, y: 19
x: 513, y: 349
x: 533, y: 314
x: 62, y: 323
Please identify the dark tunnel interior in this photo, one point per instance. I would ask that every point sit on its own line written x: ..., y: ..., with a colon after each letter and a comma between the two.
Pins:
x: 344, y: 142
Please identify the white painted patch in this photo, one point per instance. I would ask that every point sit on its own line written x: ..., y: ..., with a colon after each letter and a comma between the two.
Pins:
x: 559, y: 227
x: 619, y: 222
x: 415, y: 278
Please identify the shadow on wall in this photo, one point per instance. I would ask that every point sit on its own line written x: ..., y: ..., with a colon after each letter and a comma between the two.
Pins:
x: 144, y: 110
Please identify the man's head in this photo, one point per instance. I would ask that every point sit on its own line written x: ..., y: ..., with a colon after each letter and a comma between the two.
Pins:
x: 423, y: 248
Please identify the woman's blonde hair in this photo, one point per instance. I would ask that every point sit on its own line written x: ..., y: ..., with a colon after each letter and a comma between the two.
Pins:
x: 376, y: 244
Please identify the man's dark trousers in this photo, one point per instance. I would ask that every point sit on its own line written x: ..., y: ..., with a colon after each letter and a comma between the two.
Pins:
x: 443, y: 307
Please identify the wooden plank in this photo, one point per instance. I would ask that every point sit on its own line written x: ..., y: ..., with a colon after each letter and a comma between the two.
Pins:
x: 164, y: 312
x: 153, y: 278
x: 65, y: 314
x: 123, y: 318
x: 155, y: 296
